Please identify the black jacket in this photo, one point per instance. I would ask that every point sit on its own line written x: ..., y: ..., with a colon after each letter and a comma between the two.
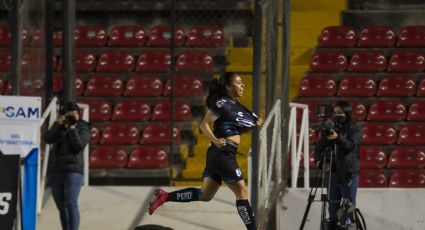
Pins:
x: 68, y: 145
x: 346, y: 163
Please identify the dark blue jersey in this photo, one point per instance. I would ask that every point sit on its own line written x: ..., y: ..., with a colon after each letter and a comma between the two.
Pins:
x: 233, y: 117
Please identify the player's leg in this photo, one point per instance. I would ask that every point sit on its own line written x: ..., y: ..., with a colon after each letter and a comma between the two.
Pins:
x: 242, y: 204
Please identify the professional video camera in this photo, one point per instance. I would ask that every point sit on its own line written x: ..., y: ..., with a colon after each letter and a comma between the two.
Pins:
x: 70, y: 120
x: 324, y: 113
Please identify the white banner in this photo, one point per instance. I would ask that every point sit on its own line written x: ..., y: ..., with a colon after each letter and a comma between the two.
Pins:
x: 19, y: 124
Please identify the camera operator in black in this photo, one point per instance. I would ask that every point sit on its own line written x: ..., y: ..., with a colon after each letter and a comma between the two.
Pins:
x: 69, y: 136
x: 347, y: 138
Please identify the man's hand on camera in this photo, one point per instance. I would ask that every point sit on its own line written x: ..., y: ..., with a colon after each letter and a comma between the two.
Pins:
x: 61, y: 120
x: 333, y: 136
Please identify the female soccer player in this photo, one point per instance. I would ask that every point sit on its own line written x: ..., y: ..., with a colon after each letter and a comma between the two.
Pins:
x: 230, y: 119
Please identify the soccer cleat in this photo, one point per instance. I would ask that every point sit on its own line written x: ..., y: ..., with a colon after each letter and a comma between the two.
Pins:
x: 160, y: 199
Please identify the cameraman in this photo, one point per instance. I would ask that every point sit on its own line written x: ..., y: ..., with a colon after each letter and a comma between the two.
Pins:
x: 345, y: 138
x: 69, y: 136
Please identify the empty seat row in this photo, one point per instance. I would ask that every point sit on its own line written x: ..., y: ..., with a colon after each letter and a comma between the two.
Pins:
x: 372, y: 36
x: 137, y: 110
x: 142, y: 157
x: 360, y: 86
x: 379, y: 110
x: 402, y: 178
x: 368, y: 61
x: 127, y: 35
x: 117, y: 61
x: 129, y: 134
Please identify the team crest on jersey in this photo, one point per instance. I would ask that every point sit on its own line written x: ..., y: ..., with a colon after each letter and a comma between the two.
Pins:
x: 238, y: 172
x: 220, y: 103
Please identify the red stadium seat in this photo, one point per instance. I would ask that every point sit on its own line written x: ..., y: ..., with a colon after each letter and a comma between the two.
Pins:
x: 421, y: 88
x: 412, y: 134
x: 108, y: 157
x: 367, y: 61
x: 182, y: 111
x: 407, y: 157
x: 372, y: 157
x: 8, y: 88
x: 312, y: 105
x: 94, y: 135
x: 122, y: 134
x: 376, y: 36
x: 116, y: 61
x: 148, y: 157
x: 205, y: 36
x: 357, y: 86
x: 127, y: 36
x: 90, y: 35
x: 379, y: 134
x: 3, y: 85
x: 328, y: 61
x: 79, y: 86
x: 5, y: 61
x: 131, y: 110
x: 185, y: 85
x: 31, y: 85
x: 337, y: 36
x: 160, y: 36
x: 35, y: 61
x: 359, y: 110
x: 406, y: 61
x: 317, y: 86
x: 104, y: 85
x: 387, y: 110
x: 195, y: 61
x: 159, y: 134
x: 84, y: 61
x: 154, y: 61
x: 407, y: 178
x: 99, y: 110
x: 416, y: 111
x: 5, y: 36
x: 57, y: 37
x: 373, y: 178
x: 143, y: 86
x: 58, y: 84
x: 397, y: 86
x: 412, y: 36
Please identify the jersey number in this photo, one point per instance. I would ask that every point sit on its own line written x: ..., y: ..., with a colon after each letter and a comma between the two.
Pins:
x: 4, y: 202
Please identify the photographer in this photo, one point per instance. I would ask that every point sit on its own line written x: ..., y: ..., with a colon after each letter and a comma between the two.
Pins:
x: 342, y: 141
x: 69, y: 136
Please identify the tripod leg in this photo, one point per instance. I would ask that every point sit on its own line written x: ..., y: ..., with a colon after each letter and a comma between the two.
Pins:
x: 311, y: 197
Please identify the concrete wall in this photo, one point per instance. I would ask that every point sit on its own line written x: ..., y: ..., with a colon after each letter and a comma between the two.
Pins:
x: 392, y: 209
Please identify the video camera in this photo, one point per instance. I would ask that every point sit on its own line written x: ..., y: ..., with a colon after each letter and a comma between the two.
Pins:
x: 70, y: 120
x: 324, y: 112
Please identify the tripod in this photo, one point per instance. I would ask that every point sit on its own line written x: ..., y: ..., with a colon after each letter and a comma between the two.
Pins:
x: 326, y: 159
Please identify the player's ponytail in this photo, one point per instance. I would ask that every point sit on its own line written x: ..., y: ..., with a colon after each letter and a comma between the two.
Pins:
x: 218, y: 87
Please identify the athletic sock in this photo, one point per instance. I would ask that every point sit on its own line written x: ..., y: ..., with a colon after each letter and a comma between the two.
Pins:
x: 246, y: 214
x: 184, y: 195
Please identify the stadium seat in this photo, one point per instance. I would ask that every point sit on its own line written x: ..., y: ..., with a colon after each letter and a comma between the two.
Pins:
x: 122, y: 134
x: 79, y: 87
x: 406, y: 61
x: 127, y: 36
x: 31, y: 85
x: 397, y: 86
x: 94, y: 135
x: 5, y: 61
x: 407, y: 157
x: 328, y: 61
x: 412, y: 36
x: 160, y: 36
x: 373, y: 178
x: 108, y: 157
x: 357, y: 86
x: 34, y: 61
x: 185, y: 85
x: 57, y: 37
x: 407, y: 178
x: 148, y: 157
x: 312, y: 106
x: 131, y: 110
x: 337, y: 36
x: 372, y: 157
x: 205, y: 36
x: 143, y: 86
x: 387, y: 110
x: 58, y: 84
x: 154, y: 61
x: 159, y: 134
x: 8, y: 88
x: 195, y: 61
x: 359, y: 110
x: 317, y: 86
x: 367, y: 61
x: 116, y: 61
x: 5, y: 36
x: 182, y: 110
x: 85, y: 61
x: 412, y: 134
x: 421, y: 88
x: 3, y: 85
x: 99, y: 110
x: 379, y: 134
x: 104, y: 85
x: 376, y: 36
x: 90, y: 35
x: 416, y: 111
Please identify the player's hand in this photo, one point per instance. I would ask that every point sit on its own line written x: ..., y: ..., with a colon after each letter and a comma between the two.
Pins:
x: 220, y: 142
x: 61, y: 120
x: 259, y: 121
x: 333, y: 136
